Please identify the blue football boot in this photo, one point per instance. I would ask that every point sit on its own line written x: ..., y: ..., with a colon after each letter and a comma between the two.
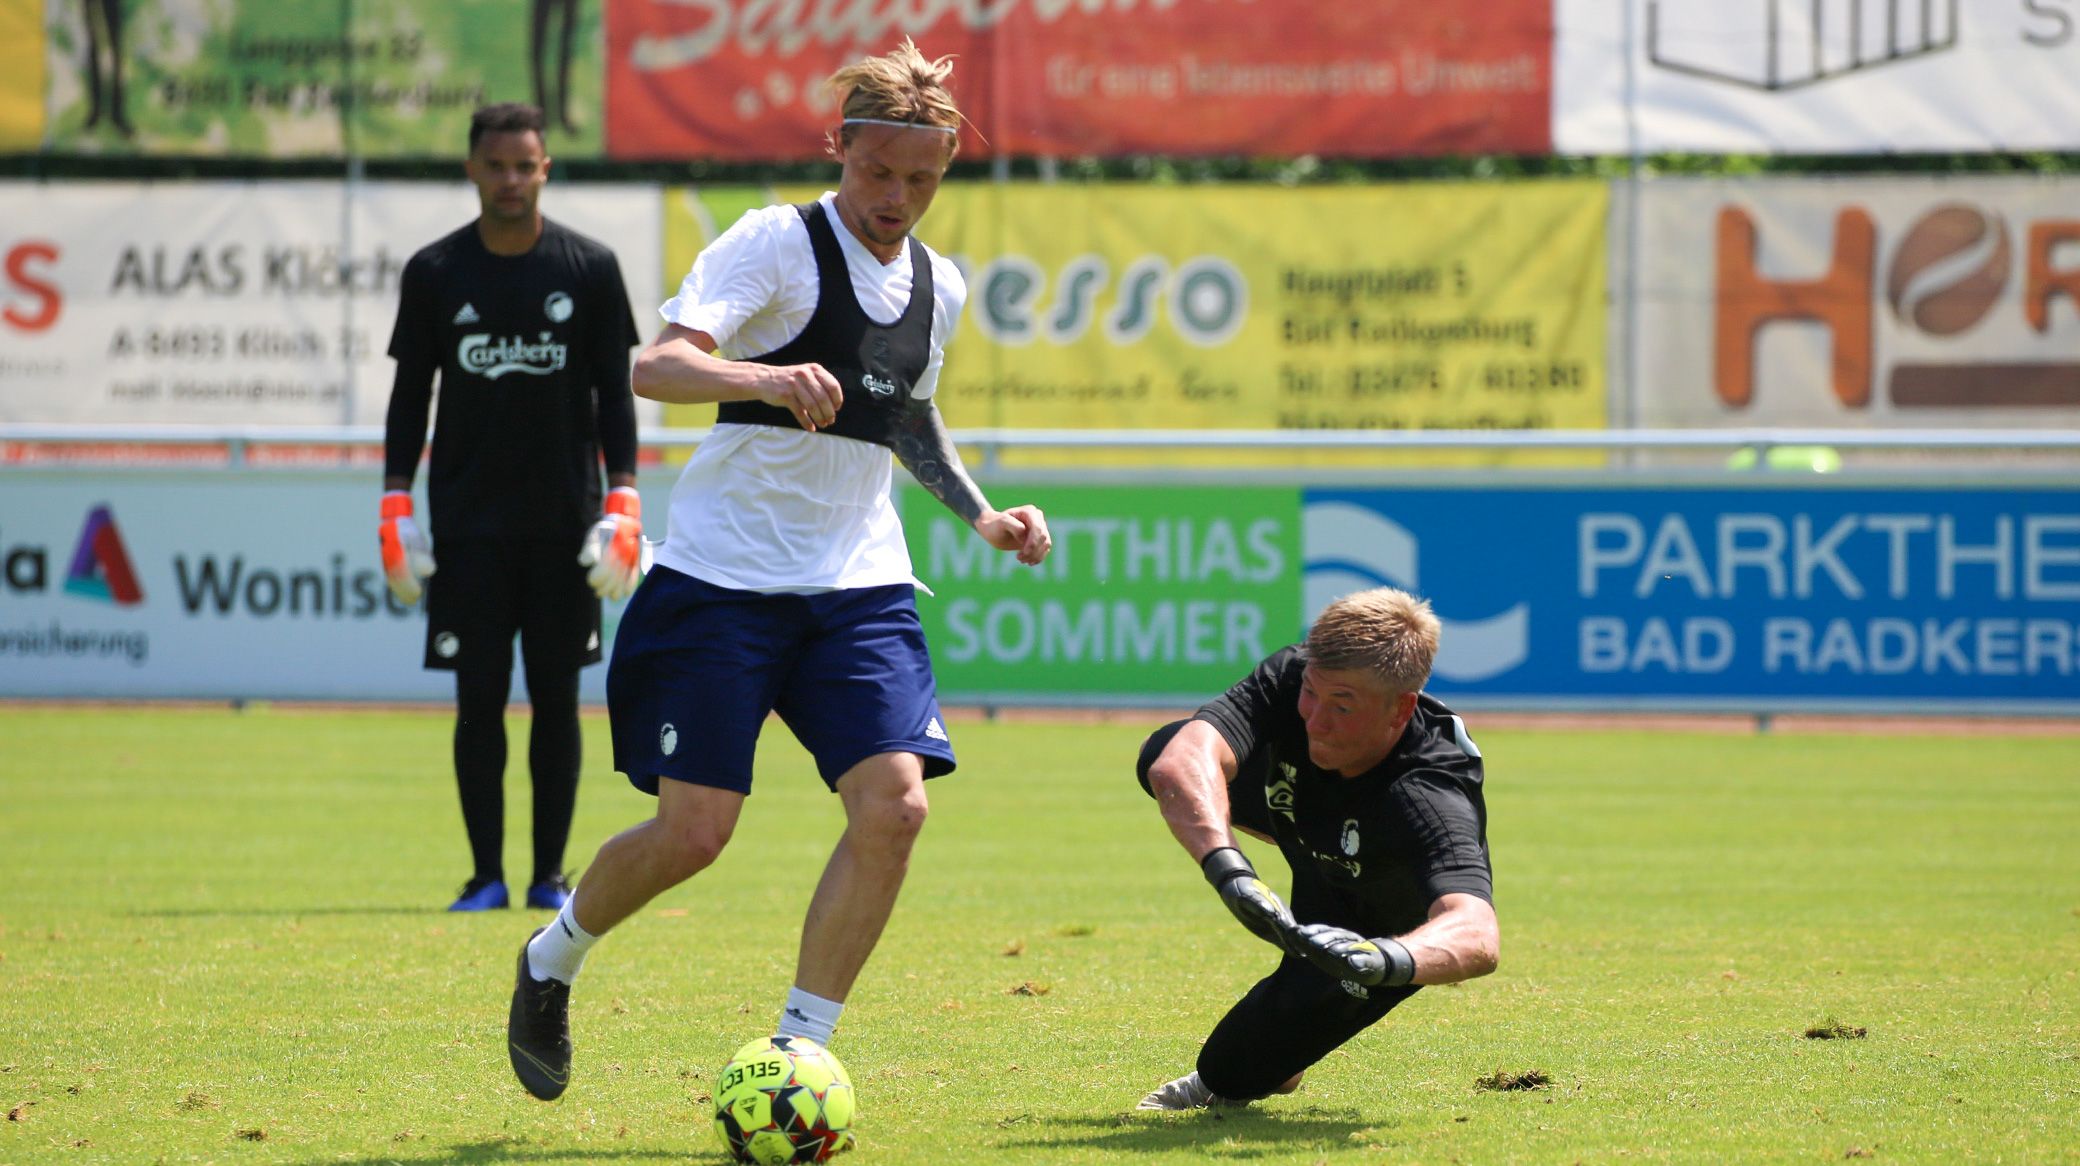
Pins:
x: 550, y: 894
x: 482, y: 895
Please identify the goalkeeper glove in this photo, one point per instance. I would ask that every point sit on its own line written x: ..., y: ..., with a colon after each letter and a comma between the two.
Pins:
x: 614, y: 553
x: 1255, y: 904
x: 407, y: 556
x: 1346, y: 955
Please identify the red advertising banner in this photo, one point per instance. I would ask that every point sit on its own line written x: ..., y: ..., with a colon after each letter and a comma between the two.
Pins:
x: 742, y: 80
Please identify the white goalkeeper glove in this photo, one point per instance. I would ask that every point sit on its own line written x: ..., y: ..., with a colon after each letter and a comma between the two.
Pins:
x: 407, y: 556
x: 614, y: 554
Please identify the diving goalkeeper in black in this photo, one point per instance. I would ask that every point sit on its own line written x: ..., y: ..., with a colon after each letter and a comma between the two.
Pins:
x: 1371, y: 790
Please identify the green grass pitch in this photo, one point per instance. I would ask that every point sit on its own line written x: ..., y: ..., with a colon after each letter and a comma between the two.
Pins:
x: 221, y: 941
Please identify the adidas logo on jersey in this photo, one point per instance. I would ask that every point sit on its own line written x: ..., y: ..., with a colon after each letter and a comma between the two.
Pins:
x: 468, y: 315
x: 932, y: 730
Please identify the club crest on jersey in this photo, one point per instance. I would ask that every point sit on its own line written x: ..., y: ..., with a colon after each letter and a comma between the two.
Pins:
x: 1278, y: 797
x: 557, y: 307
x: 492, y: 359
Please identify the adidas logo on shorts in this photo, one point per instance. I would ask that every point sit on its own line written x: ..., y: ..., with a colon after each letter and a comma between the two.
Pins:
x: 932, y: 730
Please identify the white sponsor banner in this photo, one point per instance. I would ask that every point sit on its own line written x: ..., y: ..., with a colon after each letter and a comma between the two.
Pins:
x: 211, y: 585
x: 1815, y: 76
x: 240, y: 302
x: 1890, y: 302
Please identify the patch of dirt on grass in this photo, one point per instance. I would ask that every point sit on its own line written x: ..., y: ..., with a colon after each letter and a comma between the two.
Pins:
x: 1504, y: 1081
x: 1832, y: 1029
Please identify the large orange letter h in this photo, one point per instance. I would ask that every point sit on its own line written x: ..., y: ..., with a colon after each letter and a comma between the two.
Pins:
x: 2045, y: 282
x: 1841, y: 300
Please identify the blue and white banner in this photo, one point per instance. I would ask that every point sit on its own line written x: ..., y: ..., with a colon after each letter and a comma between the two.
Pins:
x: 1762, y: 593
x: 186, y: 584
x: 1776, y: 597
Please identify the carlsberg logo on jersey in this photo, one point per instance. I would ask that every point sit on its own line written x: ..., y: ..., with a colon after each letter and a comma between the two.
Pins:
x: 492, y: 359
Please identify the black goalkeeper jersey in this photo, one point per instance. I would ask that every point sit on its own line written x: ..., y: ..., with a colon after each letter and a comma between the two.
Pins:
x: 532, y: 352
x: 1370, y: 852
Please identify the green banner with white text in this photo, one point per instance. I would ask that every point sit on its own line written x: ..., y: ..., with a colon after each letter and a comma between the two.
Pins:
x: 376, y: 78
x: 1154, y: 594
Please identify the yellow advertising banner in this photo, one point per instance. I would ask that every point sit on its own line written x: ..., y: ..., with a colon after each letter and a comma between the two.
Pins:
x: 1419, y: 306
x: 21, y: 74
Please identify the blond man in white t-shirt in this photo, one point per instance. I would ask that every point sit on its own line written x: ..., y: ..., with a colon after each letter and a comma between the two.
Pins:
x: 784, y: 584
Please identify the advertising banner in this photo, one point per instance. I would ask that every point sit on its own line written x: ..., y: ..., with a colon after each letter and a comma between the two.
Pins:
x: 1150, y: 591
x: 1438, y: 306
x: 1815, y: 76
x: 1787, y: 595
x: 742, y: 80
x: 1868, y: 302
x: 1655, y: 595
x: 250, y: 78
x: 21, y: 75
x: 238, y: 303
x: 1674, y: 596
x: 135, y: 584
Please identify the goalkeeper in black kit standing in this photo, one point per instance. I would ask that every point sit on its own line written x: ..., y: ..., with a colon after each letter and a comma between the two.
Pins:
x: 1372, y: 792
x: 528, y: 324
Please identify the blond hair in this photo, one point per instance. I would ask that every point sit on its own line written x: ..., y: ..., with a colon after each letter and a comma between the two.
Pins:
x: 1386, y: 632
x: 900, y: 87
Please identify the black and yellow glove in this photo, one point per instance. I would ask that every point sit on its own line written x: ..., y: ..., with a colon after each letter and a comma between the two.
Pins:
x: 1255, y: 904
x: 1346, y: 955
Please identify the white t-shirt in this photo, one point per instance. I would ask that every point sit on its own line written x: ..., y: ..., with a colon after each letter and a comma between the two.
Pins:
x: 761, y: 508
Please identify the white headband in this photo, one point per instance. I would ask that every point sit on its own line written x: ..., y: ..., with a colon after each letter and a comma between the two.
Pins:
x: 901, y: 125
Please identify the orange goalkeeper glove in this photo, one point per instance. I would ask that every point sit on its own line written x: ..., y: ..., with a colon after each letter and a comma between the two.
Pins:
x: 407, y: 556
x: 614, y: 553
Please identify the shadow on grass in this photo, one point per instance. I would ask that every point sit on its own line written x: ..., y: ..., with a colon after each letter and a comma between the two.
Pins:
x: 502, y: 1150
x: 1230, y: 1136
x: 278, y: 912
x: 1215, y: 1135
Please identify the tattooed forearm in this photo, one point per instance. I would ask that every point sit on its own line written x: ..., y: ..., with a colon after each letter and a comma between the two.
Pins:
x: 923, y: 446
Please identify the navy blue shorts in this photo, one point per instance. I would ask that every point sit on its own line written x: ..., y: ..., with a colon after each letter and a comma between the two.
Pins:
x: 697, y: 668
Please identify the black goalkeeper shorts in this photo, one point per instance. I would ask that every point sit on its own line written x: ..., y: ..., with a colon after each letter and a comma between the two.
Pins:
x: 484, y: 592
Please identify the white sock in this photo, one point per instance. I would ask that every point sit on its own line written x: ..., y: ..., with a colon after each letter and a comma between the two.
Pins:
x: 559, y: 951
x: 809, y: 1015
